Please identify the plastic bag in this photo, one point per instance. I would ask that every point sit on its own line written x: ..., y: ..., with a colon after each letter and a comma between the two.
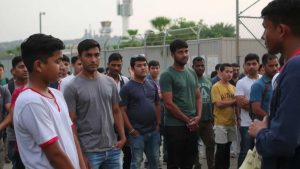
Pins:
x: 252, y: 160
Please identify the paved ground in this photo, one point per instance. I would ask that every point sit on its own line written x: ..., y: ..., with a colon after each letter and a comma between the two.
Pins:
x: 233, y: 164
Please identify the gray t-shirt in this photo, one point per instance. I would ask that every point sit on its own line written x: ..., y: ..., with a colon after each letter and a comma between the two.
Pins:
x: 92, y: 101
x: 10, y: 132
x: 140, y: 101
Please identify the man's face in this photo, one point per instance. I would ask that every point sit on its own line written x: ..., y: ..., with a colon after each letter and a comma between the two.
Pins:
x: 64, y: 68
x: 199, y: 67
x: 77, y: 66
x: 90, y: 59
x: 51, y: 68
x: 271, y: 68
x: 226, y: 74
x: 272, y: 37
x: 1, y: 72
x: 181, y: 56
x: 20, y: 71
x: 236, y: 72
x: 140, y: 69
x: 115, y: 67
x: 154, y: 71
x: 252, y: 67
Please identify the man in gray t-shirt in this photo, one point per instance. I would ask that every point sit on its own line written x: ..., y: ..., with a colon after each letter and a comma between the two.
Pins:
x: 93, y: 103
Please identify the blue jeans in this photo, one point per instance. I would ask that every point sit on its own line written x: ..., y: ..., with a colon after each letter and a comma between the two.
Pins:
x: 247, y: 142
x: 148, y: 143
x: 110, y: 159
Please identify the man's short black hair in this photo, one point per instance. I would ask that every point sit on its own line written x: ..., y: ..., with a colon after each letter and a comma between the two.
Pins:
x: 1, y: 65
x: 65, y: 58
x: 115, y: 57
x: 101, y: 70
x: 39, y: 47
x: 235, y: 65
x: 251, y: 56
x: 137, y: 58
x: 284, y: 12
x: 74, y: 59
x: 153, y: 63
x: 198, y: 59
x: 224, y: 65
x: 267, y: 57
x: 217, y: 67
x: 16, y: 60
x: 177, y: 44
x: 86, y: 45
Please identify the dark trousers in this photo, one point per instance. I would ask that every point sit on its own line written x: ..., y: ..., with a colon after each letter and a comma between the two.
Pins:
x: 14, y: 155
x: 206, y: 133
x: 127, y: 157
x: 181, y: 147
x: 222, y: 156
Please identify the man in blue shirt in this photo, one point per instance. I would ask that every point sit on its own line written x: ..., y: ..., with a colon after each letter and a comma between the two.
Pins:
x: 141, y: 112
x: 278, y: 139
x: 261, y: 90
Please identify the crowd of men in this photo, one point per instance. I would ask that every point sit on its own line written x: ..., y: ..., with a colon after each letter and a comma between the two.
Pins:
x: 105, y: 120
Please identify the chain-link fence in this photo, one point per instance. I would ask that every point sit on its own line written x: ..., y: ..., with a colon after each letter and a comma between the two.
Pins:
x: 250, y: 22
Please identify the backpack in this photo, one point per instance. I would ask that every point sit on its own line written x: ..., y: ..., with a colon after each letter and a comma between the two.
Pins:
x: 11, y: 86
x: 122, y: 82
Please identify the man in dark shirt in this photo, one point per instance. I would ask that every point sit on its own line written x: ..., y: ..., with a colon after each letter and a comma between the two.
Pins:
x: 278, y: 140
x: 141, y: 112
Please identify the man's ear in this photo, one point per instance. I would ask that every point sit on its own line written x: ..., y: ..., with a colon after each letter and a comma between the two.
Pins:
x: 283, y: 30
x: 38, y: 66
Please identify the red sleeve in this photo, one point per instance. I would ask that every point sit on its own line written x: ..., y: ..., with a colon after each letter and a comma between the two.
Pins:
x: 15, y: 95
x: 44, y: 145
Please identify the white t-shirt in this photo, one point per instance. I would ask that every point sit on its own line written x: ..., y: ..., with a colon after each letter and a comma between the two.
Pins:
x: 274, y: 81
x: 243, y: 88
x: 40, y: 121
x: 65, y: 81
x: 125, y: 80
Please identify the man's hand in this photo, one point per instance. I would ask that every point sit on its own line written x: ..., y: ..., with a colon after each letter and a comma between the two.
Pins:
x: 243, y: 101
x: 135, y: 133
x: 256, y: 126
x: 193, y: 124
x: 120, y: 143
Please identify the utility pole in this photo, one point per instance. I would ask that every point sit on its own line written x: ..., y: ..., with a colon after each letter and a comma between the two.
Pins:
x: 237, y: 38
x: 40, y: 17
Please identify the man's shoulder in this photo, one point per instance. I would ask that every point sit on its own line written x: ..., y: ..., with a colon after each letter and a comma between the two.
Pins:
x: 3, y: 89
x: 105, y: 78
x: 130, y: 84
x: 125, y: 79
x: 68, y: 78
x: 259, y: 82
x: 167, y: 71
x: 293, y: 63
x: 27, y: 96
x: 150, y: 83
x: 205, y: 79
x: 243, y: 80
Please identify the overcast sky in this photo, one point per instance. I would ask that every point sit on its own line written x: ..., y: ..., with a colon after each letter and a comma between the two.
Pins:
x: 67, y: 19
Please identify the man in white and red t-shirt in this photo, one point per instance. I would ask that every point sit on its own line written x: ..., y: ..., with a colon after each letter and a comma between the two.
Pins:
x: 41, y: 117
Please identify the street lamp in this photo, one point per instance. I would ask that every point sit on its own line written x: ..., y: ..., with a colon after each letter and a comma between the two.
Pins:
x: 40, y: 17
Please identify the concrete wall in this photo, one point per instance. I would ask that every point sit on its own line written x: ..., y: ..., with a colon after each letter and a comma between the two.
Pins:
x: 213, y: 50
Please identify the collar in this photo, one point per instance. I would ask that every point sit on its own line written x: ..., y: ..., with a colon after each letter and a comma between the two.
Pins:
x: 296, y: 53
x: 265, y: 79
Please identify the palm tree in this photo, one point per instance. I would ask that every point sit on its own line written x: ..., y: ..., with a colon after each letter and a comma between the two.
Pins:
x: 160, y: 23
